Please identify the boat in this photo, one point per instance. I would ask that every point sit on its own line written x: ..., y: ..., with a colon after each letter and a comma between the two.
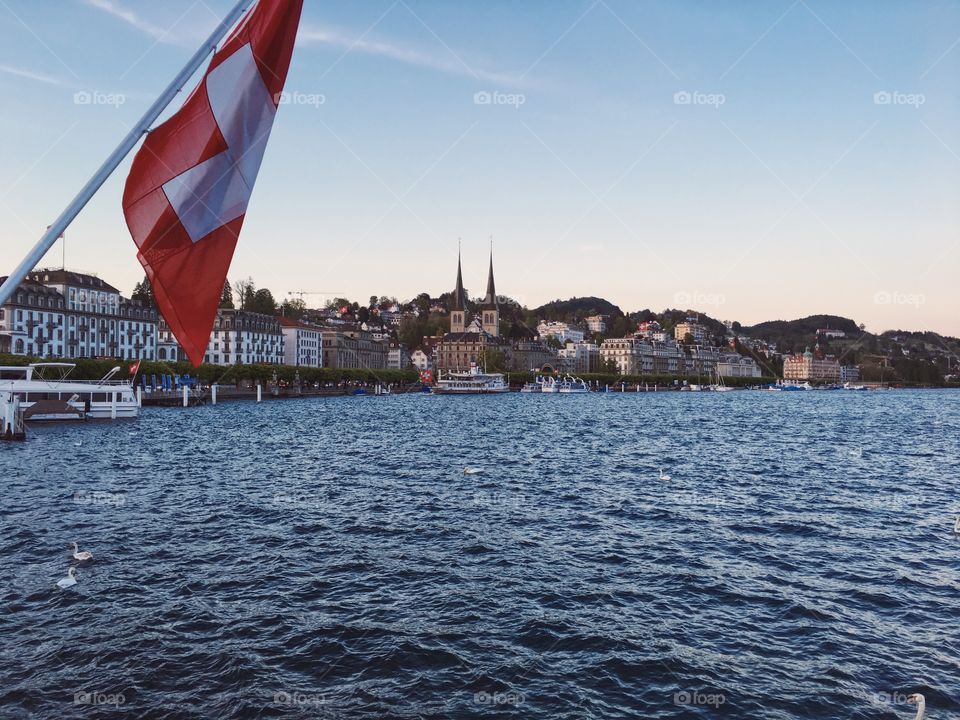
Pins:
x: 474, y: 382
x: 533, y: 387
x: 45, y: 393
x: 791, y: 386
x: 851, y: 386
x: 573, y: 385
x: 720, y: 386
x: 550, y: 385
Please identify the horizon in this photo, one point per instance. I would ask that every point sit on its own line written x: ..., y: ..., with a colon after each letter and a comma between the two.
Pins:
x: 779, y: 162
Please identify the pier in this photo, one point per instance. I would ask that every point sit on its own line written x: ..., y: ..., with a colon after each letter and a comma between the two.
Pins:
x: 11, y: 418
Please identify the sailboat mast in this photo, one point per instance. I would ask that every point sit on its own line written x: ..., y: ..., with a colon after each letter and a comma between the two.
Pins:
x: 116, y: 157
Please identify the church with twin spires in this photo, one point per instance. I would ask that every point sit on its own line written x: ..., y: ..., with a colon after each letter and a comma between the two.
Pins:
x: 470, y: 336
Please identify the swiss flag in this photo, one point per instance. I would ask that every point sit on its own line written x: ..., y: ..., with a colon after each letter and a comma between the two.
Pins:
x: 188, y: 188
x: 134, y: 368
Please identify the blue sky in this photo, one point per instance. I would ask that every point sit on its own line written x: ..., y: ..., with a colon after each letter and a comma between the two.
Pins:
x: 754, y: 160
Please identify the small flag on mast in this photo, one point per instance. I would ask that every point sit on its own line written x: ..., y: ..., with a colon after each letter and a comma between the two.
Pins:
x: 187, y: 193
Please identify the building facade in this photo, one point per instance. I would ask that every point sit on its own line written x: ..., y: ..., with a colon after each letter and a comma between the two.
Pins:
x: 811, y: 366
x: 579, y: 358
x: 353, y: 348
x: 58, y: 313
x: 238, y: 336
x: 302, y: 343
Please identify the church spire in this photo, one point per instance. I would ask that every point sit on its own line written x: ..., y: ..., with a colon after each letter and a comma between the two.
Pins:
x: 490, y: 300
x: 459, y: 300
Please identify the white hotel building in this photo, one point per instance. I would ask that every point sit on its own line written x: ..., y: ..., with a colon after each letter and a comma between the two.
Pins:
x: 238, y: 336
x: 302, y: 343
x: 65, y: 314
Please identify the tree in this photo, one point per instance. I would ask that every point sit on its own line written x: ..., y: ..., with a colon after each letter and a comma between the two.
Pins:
x: 687, y: 339
x: 226, y: 297
x: 244, y: 290
x: 492, y: 360
x: 422, y: 303
x: 143, y: 291
x: 293, y: 309
x: 262, y: 302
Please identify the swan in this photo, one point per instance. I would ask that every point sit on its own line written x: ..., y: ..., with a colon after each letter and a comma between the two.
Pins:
x: 921, y: 703
x: 68, y: 581
x: 85, y: 555
x: 472, y: 470
x: 78, y: 443
x: 956, y: 525
x: 664, y: 477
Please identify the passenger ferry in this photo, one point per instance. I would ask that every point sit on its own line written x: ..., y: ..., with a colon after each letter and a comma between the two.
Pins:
x: 474, y: 382
x: 45, y: 393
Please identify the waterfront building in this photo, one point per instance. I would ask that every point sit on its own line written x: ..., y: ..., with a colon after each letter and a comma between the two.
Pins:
x: 579, y: 358
x: 561, y: 331
x: 470, y: 338
x: 528, y: 355
x: 630, y: 355
x: 59, y: 313
x: 736, y: 365
x: 32, y: 321
x: 302, y: 343
x: 238, y: 336
x: 811, y: 366
x: 353, y: 348
x: 397, y: 357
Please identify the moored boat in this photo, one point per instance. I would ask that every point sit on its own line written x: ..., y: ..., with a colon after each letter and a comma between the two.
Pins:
x: 474, y: 382
x: 45, y: 393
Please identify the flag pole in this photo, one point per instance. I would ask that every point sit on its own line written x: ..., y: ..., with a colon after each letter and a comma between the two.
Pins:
x: 117, y: 156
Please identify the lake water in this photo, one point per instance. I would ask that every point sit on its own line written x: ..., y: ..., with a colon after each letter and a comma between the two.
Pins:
x: 329, y: 558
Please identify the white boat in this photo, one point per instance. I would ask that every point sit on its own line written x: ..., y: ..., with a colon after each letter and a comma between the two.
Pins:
x: 533, y: 387
x: 45, y: 393
x: 720, y: 386
x: 791, y: 386
x: 550, y: 385
x: 474, y: 382
x: 851, y: 386
x: 573, y: 385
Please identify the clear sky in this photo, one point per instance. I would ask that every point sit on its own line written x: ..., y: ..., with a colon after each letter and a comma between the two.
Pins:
x: 752, y: 159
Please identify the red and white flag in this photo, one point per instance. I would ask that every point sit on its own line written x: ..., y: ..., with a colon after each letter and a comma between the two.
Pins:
x: 134, y: 368
x: 188, y: 188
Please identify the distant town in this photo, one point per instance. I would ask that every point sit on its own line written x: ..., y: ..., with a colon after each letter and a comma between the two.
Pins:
x: 65, y: 314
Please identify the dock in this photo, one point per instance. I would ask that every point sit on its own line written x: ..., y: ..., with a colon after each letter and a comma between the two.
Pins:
x: 12, y: 425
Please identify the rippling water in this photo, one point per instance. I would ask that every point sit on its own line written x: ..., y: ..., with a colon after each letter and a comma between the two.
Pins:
x: 329, y: 558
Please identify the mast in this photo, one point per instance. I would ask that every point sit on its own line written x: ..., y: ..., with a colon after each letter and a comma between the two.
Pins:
x: 116, y: 157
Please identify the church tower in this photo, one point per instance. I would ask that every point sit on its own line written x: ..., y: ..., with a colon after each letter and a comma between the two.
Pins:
x: 458, y: 308
x: 490, y: 310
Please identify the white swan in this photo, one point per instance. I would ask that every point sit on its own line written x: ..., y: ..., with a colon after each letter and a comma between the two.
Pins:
x: 956, y: 525
x: 921, y: 703
x: 68, y: 581
x: 85, y: 555
x: 664, y: 477
x: 78, y: 443
x: 472, y: 470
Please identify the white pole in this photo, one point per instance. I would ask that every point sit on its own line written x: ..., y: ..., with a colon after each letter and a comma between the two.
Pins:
x: 113, y: 406
x: 213, y: 393
x: 259, y: 393
x: 186, y: 396
x: 139, y: 396
x: 116, y: 157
